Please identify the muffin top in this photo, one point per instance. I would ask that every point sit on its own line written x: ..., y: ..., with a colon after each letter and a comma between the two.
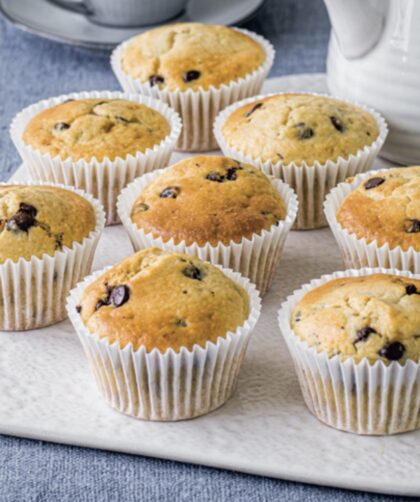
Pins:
x: 87, y: 128
x: 375, y: 316
x: 208, y: 199
x: 191, y: 55
x: 385, y: 207
x: 37, y: 220
x: 299, y: 128
x: 163, y: 300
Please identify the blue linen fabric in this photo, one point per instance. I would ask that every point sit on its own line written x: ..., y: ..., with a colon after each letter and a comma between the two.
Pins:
x: 31, y: 69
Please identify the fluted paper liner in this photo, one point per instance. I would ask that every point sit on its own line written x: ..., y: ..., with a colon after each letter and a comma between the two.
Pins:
x: 310, y: 182
x: 359, y: 253
x: 103, y: 179
x: 198, y: 108
x: 256, y: 258
x: 33, y: 292
x: 172, y: 385
x: 361, y: 397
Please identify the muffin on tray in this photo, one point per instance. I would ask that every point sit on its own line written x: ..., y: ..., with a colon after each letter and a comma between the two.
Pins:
x: 97, y: 141
x: 196, y: 68
x: 174, y: 331
x: 375, y: 218
x: 310, y: 141
x: 354, y: 338
x: 47, y: 242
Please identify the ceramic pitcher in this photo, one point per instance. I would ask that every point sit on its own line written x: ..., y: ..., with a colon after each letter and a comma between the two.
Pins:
x: 374, y: 58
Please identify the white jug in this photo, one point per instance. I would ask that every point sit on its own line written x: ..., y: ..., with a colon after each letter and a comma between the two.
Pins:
x: 374, y: 58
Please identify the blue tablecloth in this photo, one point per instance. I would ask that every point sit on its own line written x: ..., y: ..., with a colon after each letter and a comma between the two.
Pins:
x: 31, y: 69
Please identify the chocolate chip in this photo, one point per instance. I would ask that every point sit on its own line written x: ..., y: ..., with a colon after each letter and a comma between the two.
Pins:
x: 191, y: 75
x: 61, y: 126
x: 193, y: 272
x: 363, y: 334
x: 156, y: 80
x: 121, y: 119
x: 337, y: 124
x: 414, y: 227
x: 231, y: 174
x: 180, y: 322
x: 170, y: 192
x: 373, y: 183
x: 78, y: 308
x: 104, y: 301
x: 252, y: 109
x: 215, y: 176
x: 392, y: 351
x: 27, y: 208
x: 59, y: 241
x: 306, y: 133
x: 68, y: 100
x: 119, y: 295
x: 21, y: 221
x: 101, y: 303
x: 142, y: 207
x: 411, y: 289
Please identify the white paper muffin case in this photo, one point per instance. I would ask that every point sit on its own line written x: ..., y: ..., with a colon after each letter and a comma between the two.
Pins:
x: 355, y: 397
x: 359, y: 253
x: 310, y: 182
x: 255, y: 258
x: 199, y: 108
x: 103, y: 179
x: 172, y: 385
x: 33, y: 292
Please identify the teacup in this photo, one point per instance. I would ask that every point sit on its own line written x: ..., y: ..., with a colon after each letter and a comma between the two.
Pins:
x: 125, y: 13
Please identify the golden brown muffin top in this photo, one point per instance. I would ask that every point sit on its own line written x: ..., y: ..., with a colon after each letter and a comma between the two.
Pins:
x: 163, y: 300
x: 299, y: 128
x: 37, y: 220
x: 87, y: 128
x: 191, y: 55
x: 375, y: 316
x: 385, y: 207
x: 208, y: 199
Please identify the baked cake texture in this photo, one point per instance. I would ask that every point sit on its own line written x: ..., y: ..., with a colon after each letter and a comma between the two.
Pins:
x: 208, y: 199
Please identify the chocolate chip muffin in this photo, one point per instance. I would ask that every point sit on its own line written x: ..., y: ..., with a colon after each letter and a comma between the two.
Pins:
x: 208, y: 199
x: 37, y: 220
x: 190, y: 56
x: 155, y: 299
x: 299, y: 128
x: 96, y: 128
x: 374, y: 317
x: 386, y: 208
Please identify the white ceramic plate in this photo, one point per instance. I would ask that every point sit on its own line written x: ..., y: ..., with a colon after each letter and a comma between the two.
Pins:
x: 46, y: 391
x: 51, y: 21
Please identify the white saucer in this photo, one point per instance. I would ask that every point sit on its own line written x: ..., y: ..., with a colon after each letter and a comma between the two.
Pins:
x: 51, y: 21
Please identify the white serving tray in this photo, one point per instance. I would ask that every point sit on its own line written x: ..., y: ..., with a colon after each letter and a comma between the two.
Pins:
x: 46, y: 392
